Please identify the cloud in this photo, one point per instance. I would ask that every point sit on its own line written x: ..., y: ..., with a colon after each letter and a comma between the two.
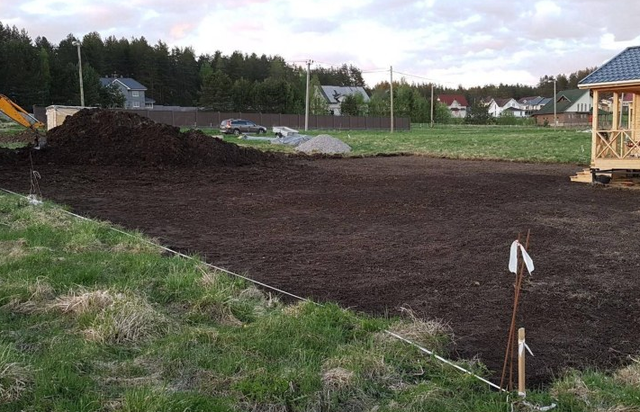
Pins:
x: 473, y: 42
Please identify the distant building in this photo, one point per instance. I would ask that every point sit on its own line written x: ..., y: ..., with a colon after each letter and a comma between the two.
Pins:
x: 133, y: 92
x: 334, y: 95
x: 456, y: 103
x: 497, y: 107
x: 573, y: 108
x: 532, y: 104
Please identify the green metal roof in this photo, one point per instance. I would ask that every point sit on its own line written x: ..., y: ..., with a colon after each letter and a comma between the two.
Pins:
x: 562, y: 105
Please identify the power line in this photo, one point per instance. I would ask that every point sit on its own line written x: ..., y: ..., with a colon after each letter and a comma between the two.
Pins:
x: 426, y: 78
x: 375, y: 71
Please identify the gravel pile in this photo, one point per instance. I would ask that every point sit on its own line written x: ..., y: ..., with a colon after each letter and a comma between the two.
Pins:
x: 324, y: 144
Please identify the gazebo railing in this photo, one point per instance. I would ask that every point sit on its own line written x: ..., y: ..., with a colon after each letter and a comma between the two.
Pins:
x: 617, y: 144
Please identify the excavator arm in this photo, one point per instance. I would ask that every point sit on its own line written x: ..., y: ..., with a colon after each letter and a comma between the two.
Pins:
x: 20, y: 116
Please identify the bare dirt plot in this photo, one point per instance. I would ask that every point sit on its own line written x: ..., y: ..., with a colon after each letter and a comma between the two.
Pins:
x: 379, y: 233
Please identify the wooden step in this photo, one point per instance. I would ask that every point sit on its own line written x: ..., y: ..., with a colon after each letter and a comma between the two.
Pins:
x: 583, y: 176
x: 618, y: 178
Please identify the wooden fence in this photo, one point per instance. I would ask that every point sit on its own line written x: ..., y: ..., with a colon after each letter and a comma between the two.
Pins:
x: 201, y: 118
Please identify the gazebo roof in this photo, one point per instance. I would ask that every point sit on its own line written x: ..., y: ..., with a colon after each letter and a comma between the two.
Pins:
x: 623, y: 68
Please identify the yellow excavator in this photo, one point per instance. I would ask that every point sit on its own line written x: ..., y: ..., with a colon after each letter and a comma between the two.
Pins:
x: 20, y: 116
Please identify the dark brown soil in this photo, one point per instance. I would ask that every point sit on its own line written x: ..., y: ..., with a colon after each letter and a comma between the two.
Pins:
x: 105, y: 137
x: 380, y: 233
x: 373, y: 234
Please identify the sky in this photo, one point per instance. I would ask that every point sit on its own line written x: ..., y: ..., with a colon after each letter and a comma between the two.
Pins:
x: 464, y: 42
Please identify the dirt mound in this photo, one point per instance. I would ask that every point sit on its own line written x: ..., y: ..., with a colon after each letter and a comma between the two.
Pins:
x: 105, y: 137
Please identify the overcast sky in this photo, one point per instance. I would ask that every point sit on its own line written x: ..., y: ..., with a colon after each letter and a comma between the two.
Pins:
x: 468, y: 42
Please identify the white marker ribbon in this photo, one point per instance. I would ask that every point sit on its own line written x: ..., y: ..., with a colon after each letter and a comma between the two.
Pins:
x: 522, y: 346
x: 513, y: 258
x: 33, y: 200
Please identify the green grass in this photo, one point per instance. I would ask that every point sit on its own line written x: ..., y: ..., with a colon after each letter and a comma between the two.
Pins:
x: 8, y: 129
x: 513, y: 143
x: 13, y: 145
x: 96, y: 320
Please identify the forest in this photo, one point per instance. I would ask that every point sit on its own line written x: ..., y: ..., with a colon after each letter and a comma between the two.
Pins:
x: 39, y: 72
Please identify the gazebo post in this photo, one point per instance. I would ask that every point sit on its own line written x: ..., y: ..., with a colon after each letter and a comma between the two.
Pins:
x: 594, y: 126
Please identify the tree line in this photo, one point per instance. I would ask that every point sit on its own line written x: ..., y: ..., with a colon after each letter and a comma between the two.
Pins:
x: 39, y: 72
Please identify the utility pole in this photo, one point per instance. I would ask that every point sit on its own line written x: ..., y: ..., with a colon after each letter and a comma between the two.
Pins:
x: 555, y: 100
x: 391, y: 95
x: 306, y: 110
x: 432, y: 104
x: 78, y: 44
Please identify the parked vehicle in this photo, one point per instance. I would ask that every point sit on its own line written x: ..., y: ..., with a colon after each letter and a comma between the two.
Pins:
x: 238, y: 126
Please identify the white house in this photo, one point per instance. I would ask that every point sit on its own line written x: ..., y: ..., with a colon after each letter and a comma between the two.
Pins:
x: 532, y: 104
x: 499, y: 106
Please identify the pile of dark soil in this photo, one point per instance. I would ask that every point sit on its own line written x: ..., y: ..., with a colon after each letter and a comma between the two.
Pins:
x: 105, y: 137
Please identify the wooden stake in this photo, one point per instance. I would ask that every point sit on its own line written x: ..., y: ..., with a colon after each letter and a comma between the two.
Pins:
x: 521, y: 363
x: 509, y: 352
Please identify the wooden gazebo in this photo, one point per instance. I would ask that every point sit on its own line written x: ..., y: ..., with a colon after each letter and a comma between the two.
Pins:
x: 615, y: 141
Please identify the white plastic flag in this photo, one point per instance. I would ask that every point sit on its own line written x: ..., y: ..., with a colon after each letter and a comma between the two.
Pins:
x: 522, y: 346
x: 513, y: 258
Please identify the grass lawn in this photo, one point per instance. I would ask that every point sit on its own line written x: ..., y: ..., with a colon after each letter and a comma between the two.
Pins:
x: 96, y: 320
x: 515, y: 143
x: 7, y: 130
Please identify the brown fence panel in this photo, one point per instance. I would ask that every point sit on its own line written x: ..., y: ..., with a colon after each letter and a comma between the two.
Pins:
x: 40, y: 113
x: 162, y: 116
x: 203, y: 118
x: 183, y: 119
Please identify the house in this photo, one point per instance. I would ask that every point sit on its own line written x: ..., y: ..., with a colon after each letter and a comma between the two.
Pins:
x: 615, y: 141
x: 456, y: 103
x: 532, y: 104
x: 133, y: 92
x: 497, y: 107
x: 334, y: 95
x: 572, y: 108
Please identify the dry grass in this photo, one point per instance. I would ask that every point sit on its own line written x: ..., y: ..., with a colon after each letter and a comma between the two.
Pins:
x: 252, y: 293
x: 133, y: 245
x: 41, y: 293
x: 14, y: 379
x: 221, y: 296
x: 620, y: 408
x: 422, y: 332
x: 365, y: 365
x: 85, y: 301
x: 118, y: 373
x: 295, y: 310
x: 39, y: 216
x: 269, y: 407
x: 120, y: 317
x: 337, y: 379
x: 209, y: 279
x: 13, y: 249
x: 575, y: 387
x: 629, y: 375
x: 129, y: 319
x: 218, y: 312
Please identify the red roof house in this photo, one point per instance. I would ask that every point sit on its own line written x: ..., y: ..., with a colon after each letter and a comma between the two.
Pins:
x: 456, y: 103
